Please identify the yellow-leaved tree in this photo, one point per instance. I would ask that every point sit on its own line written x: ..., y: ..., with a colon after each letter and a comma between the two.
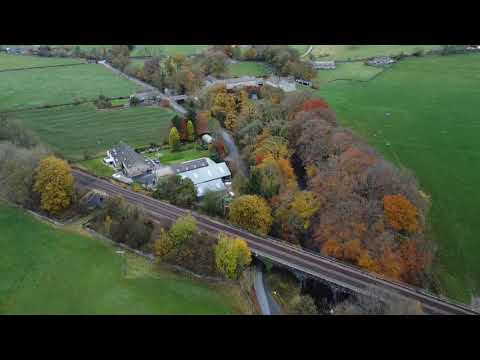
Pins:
x: 54, y: 182
x: 252, y: 213
x: 232, y: 256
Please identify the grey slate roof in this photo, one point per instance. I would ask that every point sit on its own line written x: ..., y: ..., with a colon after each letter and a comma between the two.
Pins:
x: 189, y: 165
x: 132, y: 162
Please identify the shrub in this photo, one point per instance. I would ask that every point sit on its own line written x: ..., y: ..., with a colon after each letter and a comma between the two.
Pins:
x: 103, y: 102
x: 134, y: 101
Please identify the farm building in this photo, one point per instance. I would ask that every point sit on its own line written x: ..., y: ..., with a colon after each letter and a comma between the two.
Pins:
x: 380, y: 61
x: 14, y: 50
x: 205, y: 174
x: 124, y: 158
x: 324, y: 65
x: 304, y: 82
x: 284, y: 83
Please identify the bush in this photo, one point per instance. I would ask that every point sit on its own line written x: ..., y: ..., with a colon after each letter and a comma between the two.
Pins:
x: 103, y: 102
x: 134, y: 101
x: 124, y: 224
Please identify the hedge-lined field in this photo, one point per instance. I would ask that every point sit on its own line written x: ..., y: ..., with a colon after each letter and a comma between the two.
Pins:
x: 345, y: 52
x: 60, y: 85
x: 248, y: 68
x: 147, y: 50
x: 347, y: 71
x: 74, y: 130
x: 9, y: 62
x: 50, y: 271
x: 433, y: 128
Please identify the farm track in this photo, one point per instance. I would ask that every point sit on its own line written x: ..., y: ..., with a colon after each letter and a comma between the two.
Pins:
x: 299, y: 259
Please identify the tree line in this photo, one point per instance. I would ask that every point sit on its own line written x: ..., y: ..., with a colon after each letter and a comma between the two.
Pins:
x: 314, y: 183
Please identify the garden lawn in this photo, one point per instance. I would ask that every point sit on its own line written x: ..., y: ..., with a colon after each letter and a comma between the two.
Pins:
x: 345, y: 52
x: 9, y: 62
x: 61, y: 85
x: 433, y: 129
x: 96, y: 167
x: 248, y: 68
x: 168, y: 157
x: 78, y: 129
x: 50, y: 271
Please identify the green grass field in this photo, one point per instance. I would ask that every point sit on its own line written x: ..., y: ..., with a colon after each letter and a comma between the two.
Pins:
x: 97, y: 167
x: 248, y: 68
x: 8, y: 62
x: 39, y: 87
x: 50, y: 271
x: 350, y: 71
x: 147, y: 50
x: 344, y: 52
x: 72, y: 130
x: 434, y: 130
x: 168, y: 157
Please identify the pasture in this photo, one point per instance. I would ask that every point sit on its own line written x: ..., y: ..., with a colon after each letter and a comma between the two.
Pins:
x: 156, y: 50
x: 61, y: 85
x: 79, y: 129
x: 356, y: 71
x: 46, y: 270
x: 248, y: 68
x: 433, y: 129
x: 10, y: 62
x: 352, y: 52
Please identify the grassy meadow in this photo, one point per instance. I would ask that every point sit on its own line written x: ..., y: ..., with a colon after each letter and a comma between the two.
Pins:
x: 433, y: 129
x: 76, y: 129
x: 11, y: 62
x: 248, y: 68
x: 153, y: 50
x: 347, y: 71
x: 345, y: 52
x: 46, y: 270
x: 50, y: 86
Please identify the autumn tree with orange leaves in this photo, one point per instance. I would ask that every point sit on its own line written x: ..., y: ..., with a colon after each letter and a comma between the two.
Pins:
x: 401, y: 213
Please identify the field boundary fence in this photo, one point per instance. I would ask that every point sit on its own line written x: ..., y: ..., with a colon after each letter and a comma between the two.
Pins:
x: 60, y: 105
x: 41, y: 67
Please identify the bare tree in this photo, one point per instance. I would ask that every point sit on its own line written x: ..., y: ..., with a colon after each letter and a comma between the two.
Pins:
x: 379, y: 302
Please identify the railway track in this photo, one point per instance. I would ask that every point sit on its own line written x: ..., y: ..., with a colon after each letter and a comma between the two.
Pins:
x: 314, y: 264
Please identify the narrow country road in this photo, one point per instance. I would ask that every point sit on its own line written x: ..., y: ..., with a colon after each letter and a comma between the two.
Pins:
x: 233, y: 153
x: 268, y: 305
x: 309, y: 50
